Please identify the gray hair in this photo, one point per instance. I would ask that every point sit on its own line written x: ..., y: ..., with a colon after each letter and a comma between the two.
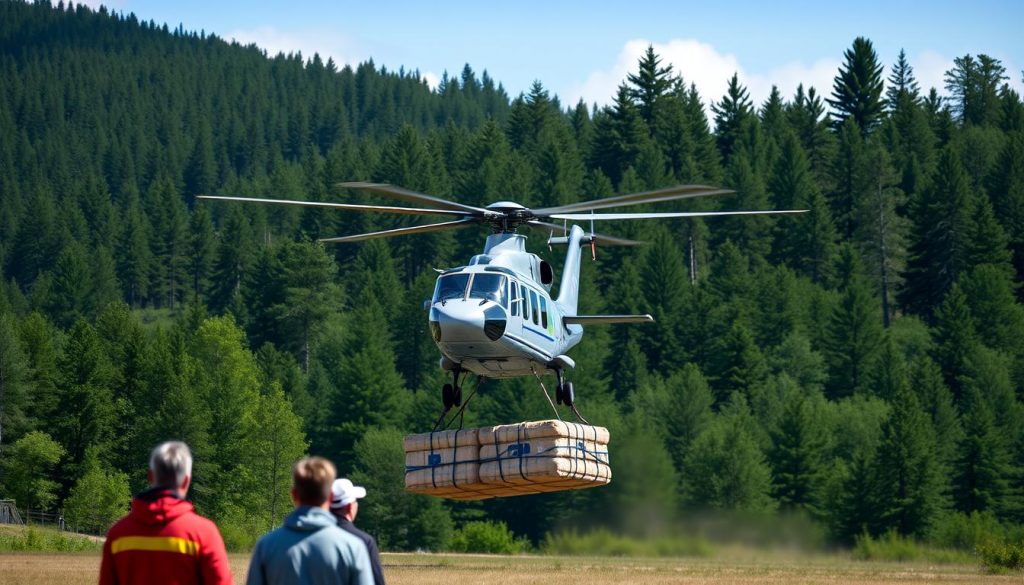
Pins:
x: 170, y: 463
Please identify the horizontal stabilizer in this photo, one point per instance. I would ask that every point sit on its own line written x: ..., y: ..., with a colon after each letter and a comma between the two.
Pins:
x: 606, y: 319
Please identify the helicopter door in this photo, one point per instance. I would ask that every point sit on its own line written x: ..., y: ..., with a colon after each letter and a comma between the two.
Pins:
x: 516, y: 309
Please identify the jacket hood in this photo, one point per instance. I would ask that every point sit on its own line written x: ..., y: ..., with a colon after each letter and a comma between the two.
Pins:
x: 309, y: 519
x: 159, y: 506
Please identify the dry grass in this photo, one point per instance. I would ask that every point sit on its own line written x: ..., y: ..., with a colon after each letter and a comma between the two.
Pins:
x: 423, y: 569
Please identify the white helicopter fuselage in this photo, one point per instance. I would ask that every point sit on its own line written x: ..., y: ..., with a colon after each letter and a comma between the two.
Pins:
x: 496, y: 317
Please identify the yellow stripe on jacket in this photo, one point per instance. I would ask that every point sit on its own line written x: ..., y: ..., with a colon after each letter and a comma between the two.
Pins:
x: 171, y: 544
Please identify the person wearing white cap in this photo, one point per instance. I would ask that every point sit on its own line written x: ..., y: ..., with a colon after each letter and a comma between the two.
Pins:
x: 345, y: 505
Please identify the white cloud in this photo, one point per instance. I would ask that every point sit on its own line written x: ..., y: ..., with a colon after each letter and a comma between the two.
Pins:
x: 930, y: 70
x: 702, y: 64
x: 327, y: 43
x: 710, y: 69
x: 432, y: 79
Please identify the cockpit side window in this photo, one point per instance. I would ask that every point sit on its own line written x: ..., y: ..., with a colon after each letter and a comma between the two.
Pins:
x: 452, y: 286
x: 490, y: 287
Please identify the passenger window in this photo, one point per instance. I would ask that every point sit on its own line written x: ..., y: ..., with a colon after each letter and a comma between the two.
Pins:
x: 513, y: 299
x: 536, y: 308
x: 526, y: 302
x: 543, y: 312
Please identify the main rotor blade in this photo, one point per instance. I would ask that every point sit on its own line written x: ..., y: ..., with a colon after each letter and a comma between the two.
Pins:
x: 607, y: 240
x: 606, y: 216
x: 666, y: 194
x: 419, y: 229
x: 412, y: 196
x: 348, y: 206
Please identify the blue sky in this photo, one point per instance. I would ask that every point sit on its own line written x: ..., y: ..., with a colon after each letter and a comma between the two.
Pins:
x: 585, y: 49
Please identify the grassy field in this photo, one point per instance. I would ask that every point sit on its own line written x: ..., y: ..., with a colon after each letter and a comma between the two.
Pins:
x: 429, y: 569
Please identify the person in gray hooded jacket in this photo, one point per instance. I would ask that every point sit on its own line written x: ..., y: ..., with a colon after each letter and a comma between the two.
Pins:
x: 310, y: 549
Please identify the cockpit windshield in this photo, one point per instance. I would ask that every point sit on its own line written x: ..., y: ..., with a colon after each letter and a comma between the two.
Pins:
x: 490, y: 287
x: 451, y: 287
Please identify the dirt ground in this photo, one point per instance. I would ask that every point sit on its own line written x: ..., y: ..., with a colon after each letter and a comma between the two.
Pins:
x: 428, y: 569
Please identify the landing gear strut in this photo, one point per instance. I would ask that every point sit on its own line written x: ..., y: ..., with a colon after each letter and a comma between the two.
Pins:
x: 451, y: 394
x: 564, y: 391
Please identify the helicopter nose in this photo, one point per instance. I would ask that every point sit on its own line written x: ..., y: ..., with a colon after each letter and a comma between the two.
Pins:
x: 461, y: 321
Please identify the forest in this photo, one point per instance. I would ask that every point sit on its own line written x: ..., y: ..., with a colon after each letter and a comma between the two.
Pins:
x: 857, y: 369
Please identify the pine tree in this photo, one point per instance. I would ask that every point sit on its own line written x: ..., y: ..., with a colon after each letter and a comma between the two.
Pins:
x: 650, y: 84
x: 310, y: 296
x: 805, y: 243
x: 908, y: 484
x: 751, y: 234
x: 986, y: 241
x: 881, y: 231
x: 726, y: 470
x: 998, y: 318
x: 87, y: 416
x: 1006, y: 187
x: 939, y: 237
x: 733, y: 116
x: 797, y: 455
x: 72, y: 281
x: 955, y: 336
x: 619, y: 132
x: 663, y: 296
x: 854, y: 331
x: 746, y: 366
x: 974, y: 87
x: 807, y: 118
x: 200, y: 251
x: 857, y: 90
x: 132, y: 250
x: 169, y: 243
x: 982, y: 469
x: 687, y: 411
x: 888, y: 371
x: 938, y: 402
x: 370, y: 393
x: 902, y: 84
x: 15, y: 384
x: 235, y: 256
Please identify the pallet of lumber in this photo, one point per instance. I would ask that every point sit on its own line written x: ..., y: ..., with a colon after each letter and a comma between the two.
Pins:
x: 507, y: 460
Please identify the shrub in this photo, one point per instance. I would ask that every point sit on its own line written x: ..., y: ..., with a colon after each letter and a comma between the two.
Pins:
x: 892, y: 546
x: 998, y: 557
x: 488, y: 537
x: 602, y: 542
x: 45, y: 540
x: 967, y: 532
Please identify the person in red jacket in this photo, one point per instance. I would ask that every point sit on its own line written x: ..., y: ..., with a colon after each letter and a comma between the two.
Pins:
x: 162, y: 541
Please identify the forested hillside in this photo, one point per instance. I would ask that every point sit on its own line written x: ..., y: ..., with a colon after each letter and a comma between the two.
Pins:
x: 859, y: 366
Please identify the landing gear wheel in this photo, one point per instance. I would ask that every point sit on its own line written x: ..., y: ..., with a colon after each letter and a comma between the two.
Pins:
x: 447, y: 396
x: 568, y: 394
x: 558, y: 394
x: 457, y: 396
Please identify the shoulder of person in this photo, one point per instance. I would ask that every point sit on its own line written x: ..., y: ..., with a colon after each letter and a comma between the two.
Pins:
x: 346, y: 537
x: 203, y: 523
x: 119, y: 526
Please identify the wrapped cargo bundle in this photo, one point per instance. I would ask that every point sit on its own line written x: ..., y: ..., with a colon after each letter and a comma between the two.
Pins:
x: 507, y: 460
x: 444, y: 464
x: 543, y: 456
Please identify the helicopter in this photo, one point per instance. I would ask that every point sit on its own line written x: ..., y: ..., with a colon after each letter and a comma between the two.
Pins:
x: 496, y: 316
